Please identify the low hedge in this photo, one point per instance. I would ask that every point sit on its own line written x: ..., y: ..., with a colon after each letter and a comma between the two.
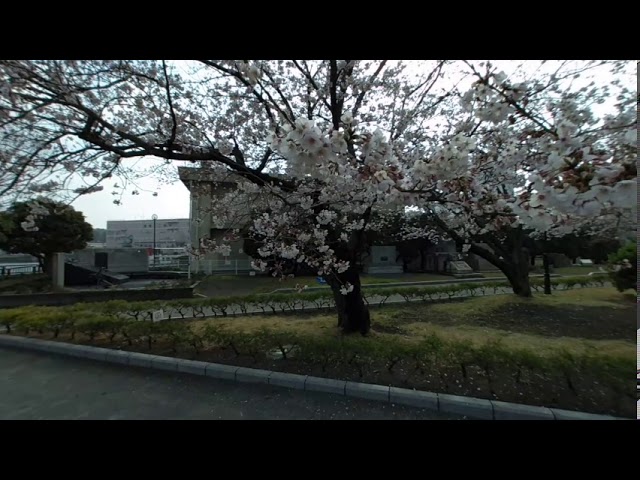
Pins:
x: 280, y: 303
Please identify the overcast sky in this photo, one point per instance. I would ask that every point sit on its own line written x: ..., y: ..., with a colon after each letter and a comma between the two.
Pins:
x: 172, y: 202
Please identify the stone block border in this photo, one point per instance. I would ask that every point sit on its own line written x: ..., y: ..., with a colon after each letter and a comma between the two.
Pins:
x: 473, y: 408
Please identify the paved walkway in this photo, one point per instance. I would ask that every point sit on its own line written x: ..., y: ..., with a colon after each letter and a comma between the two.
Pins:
x: 38, y: 386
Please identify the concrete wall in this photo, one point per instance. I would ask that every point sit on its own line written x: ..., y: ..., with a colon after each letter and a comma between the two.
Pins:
x: 212, y: 262
x: 383, y: 255
x: 121, y: 260
x: 382, y: 259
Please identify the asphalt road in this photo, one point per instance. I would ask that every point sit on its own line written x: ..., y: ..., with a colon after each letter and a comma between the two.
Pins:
x: 37, y: 386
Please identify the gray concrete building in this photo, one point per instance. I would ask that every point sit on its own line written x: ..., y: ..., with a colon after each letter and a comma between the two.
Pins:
x: 116, y: 260
x: 203, y: 192
x: 169, y: 233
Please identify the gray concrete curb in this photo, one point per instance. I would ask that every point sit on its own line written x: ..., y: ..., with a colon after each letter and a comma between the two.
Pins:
x: 473, y: 408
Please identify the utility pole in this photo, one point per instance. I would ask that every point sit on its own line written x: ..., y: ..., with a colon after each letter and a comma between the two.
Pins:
x: 154, y: 217
x: 545, y: 265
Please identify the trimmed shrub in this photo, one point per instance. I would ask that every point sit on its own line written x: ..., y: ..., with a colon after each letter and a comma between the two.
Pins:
x: 623, y: 267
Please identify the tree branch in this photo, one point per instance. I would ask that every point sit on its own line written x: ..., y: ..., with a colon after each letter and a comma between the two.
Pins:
x: 174, y: 128
x: 333, y: 87
x: 313, y: 83
x: 360, y: 97
x: 474, y: 248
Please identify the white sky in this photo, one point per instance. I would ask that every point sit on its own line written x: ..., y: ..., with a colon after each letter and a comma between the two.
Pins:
x: 172, y: 201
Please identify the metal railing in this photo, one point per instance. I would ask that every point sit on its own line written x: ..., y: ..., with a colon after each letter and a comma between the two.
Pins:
x: 13, y: 270
x: 182, y: 266
x: 227, y: 267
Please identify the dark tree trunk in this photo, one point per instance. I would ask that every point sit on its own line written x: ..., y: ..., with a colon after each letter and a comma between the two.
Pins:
x: 353, y: 314
x: 509, y: 255
x: 515, y: 268
x: 547, y: 275
x: 532, y: 259
x: 519, y: 280
x: 517, y: 272
x: 45, y: 262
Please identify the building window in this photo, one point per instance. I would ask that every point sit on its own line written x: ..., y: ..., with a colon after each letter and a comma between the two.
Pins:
x: 216, y: 231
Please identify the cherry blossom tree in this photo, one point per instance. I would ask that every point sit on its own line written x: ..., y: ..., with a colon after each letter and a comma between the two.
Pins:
x: 531, y: 157
x: 315, y: 148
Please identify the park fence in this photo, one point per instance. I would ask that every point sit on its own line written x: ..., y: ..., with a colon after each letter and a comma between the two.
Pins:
x: 13, y: 270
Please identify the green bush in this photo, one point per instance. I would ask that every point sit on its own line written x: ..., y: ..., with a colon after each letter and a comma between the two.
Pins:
x: 183, y: 307
x: 30, y: 319
x: 623, y: 267
x: 120, y: 310
x: 141, y: 331
x: 94, y: 324
x: 11, y: 317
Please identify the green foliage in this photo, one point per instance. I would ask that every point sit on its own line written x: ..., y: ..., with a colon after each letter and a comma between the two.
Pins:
x: 28, y: 319
x: 62, y: 230
x: 623, y: 267
x: 6, y: 226
x: 11, y: 317
x: 93, y: 324
x: 141, y: 331
x: 179, y: 334
x: 577, y: 244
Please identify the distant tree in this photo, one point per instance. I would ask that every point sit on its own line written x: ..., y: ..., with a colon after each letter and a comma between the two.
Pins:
x: 42, y: 228
x: 595, y: 239
x: 99, y: 235
x: 624, y: 267
x: 5, y: 226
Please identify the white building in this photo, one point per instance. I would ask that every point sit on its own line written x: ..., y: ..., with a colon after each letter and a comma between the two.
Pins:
x: 169, y: 233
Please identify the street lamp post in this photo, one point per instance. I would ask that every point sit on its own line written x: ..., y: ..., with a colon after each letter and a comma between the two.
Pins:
x: 154, y: 217
x: 545, y: 265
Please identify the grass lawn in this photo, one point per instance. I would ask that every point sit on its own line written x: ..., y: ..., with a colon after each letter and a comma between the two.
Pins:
x: 228, y: 285
x: 575, y: 318
x: 570, y: 271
